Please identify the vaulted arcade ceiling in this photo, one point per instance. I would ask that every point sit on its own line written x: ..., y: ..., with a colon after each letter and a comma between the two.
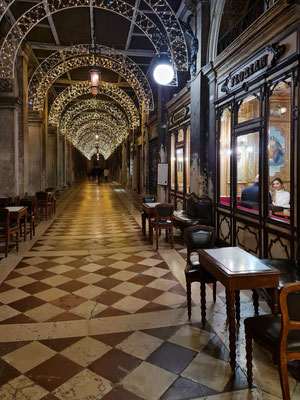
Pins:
x: 67, y: 38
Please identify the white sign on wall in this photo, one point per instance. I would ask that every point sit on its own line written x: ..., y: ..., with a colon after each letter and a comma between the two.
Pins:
x: 162, y: 174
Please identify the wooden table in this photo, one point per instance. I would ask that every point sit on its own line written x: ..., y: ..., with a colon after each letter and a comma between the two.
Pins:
x: 284, y: 214
x: 148, y: 211
x: 16, y: 213
x: 236, y: 270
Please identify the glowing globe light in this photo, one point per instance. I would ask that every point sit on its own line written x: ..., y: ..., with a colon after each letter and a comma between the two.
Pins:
x: 163, y: 73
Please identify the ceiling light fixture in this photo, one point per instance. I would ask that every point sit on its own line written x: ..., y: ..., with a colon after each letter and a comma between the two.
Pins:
x: 95, y: 74
x: 163, y: 72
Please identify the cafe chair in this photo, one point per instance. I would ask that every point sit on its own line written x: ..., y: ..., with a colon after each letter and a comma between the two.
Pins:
x: 147, y: 199
x: 289, y: 272
x: 52, y: 198
x: 42, y: 200
x: 163, y: 220
x: 198, y: 237
x: 31, y: 211
x: 5, y: 201
x: 8, y: 228
x: 280, y: 334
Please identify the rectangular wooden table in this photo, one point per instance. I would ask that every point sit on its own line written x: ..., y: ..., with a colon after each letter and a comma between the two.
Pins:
x: 16, y: 213
x: 148, y: 211
x: 236, y: 270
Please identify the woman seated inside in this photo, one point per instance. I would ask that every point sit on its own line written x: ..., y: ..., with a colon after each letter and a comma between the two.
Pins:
x: 280, y: 197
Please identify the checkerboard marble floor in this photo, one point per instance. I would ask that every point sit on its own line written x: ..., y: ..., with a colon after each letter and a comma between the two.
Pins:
x: 92, y: 311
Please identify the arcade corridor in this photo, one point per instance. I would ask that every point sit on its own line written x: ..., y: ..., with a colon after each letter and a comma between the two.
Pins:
x: 93, y: 312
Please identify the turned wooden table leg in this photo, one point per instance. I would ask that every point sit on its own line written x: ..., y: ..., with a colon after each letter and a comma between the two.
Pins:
x: 230, y: 297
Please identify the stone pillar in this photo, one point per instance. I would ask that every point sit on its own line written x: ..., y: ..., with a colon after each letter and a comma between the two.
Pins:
x: 199, y: 103
x: 9, y: 144
x: 51, y: 157
x: 35, y: 159
x: 209, y: 72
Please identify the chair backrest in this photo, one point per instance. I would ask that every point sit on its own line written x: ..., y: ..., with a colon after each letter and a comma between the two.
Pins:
x: 30, y: 204
x: 199, y: 237
x: 290, y: 311
x: 5, y: 201
x: 149, y: 199
x: 50, y: 189
x: 42, y: 196
x: 4, y: 217
x: 17, y: 200
x: 164, y: 211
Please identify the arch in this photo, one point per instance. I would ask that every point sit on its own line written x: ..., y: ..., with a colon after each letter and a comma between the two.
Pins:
x: 176, y: 40
x: 97, y: 120
x: 88, y: 144
x: 90, y: 104
x: 73, y: 91
x: 217, y: 14
x: 75, y: 56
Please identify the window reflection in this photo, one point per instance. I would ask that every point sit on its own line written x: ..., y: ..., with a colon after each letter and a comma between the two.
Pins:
x: 225, y: 152
x: 173, y: 161
x: 249, y: 109
x: 247, y: 156
x: 279, y: 150
x: 179, y: 159
x: 187, y: 159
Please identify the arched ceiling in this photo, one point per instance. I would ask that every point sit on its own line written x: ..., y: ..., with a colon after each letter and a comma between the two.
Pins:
x: 126, y: 36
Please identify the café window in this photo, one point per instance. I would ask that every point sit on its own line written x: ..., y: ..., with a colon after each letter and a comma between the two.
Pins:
x: 172, y: 161
x: 249, y: 109
x: 225, y: 152
x: 247, y: 172
x: 279, y: 139
x: 180, y: 169
x: 187, y: 159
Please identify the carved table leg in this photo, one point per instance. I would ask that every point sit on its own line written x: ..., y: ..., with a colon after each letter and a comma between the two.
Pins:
x: 143, y: 223
x: 203, y: 302
x: 249, y: 359
x: 231, y: 322
x: 255, y: 298
x: 237, y: 306
x: 275, y: 301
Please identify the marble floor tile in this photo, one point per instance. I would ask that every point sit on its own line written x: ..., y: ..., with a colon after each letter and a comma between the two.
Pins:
x: 140, y: 381
x: 22, y: 388
x: 139, y: 344
x: 22, y: 359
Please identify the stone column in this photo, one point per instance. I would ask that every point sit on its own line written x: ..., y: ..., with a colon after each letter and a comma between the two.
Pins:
x: 35, y: 159
x: 51, y: 159
x: 209, y: 72
x: 199, y: 102
x: 9, y: 143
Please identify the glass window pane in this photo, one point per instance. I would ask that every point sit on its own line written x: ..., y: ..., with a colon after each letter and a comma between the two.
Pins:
x: 173, y: 161
x: 247, y: 155
x: 179, y: 159
x: 249, y: 109
x: 225, y: 134
x: 279, y: 151
x: 187, y: 159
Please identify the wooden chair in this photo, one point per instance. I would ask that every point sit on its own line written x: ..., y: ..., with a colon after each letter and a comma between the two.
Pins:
x: 289, y: 272
x: 31, y: 211
x: 163, y: 220
x: 52, y: 198
x: 42, y: 201
x: 198, y: 237
x: 278, y: 334
x: 5, y: 201
x: 8, y: 228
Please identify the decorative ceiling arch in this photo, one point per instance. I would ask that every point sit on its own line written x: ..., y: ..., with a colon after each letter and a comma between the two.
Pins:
x: 90, y: 105
x: 99, y: 121
x: 77, y: 56
x: 175, y: 37
x: 73, y: 91
x: 87, y: 143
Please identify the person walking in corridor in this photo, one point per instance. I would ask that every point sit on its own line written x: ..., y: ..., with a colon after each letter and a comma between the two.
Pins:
x: 106, y: 173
